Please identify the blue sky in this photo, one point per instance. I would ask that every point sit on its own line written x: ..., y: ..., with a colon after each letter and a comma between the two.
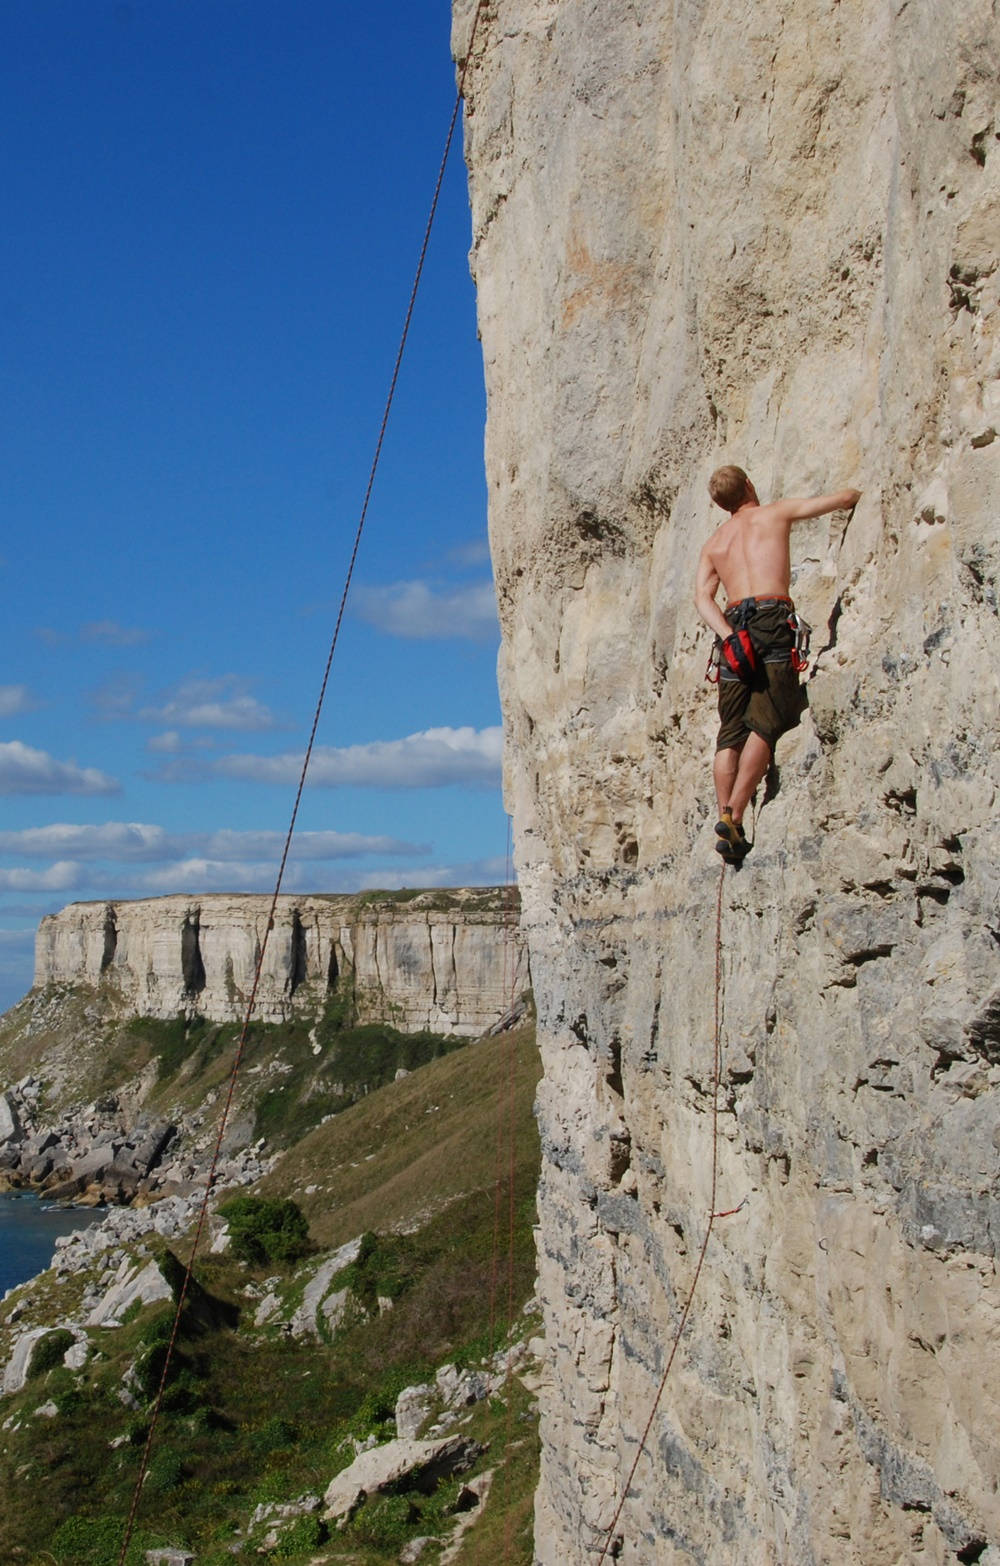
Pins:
x: 212, y: 213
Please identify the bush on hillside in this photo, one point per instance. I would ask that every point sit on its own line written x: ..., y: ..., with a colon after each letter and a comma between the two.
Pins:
x: 49, y: 1351
x: 95, y: 1541
x: 305, y: 1534
x: 263, y: 1231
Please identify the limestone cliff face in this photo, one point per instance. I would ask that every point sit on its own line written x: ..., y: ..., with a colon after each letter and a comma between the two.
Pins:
x: 757, y: 233
x: 447, y: 962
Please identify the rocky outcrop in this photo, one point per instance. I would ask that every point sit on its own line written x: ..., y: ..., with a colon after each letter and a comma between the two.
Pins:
x: 449, y: 962
x: 101, y: 1149
x: 753, y: 233
x: 384, y: 1467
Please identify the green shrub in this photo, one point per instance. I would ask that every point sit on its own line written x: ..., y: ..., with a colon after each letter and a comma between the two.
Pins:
x: 384, y: 1522
x: 95, y: 1541
x: 49, y: 1351
x: 148, y: 1369
x: 64, y: 1389
x: 382, y: 1269
x: 437, y: 1511
x: 184, y: 1395
x: 175, y: 1042
x: 263, y: 1231
x: 166, y: 1471
x: 131, y: 1313
x: 159, y: 1327
x: 378, y: 1407
x: 272, y: 1436
x: 305, y: 1534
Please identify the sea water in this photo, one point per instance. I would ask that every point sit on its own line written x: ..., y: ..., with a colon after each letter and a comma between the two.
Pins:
x: 29, y: 1227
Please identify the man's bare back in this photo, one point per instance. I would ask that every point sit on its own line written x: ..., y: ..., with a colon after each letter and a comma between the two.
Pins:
x: 749, y: 556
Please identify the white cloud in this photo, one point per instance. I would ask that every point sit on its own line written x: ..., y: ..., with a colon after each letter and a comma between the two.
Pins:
x: 419, y: 611
x: 24, y: 770
x: 431, y: 759
x: 119, y: 840
x: 307, y: 845
x: 117, y: 696
x: 63, y: 876
x: 173, y: 743
x: 168, y: 744
x: 198, y: 875
x: 222, y: 703
x: 207, y: 875
x: 472, y: 872
x: 112, y: 634
x: 15, y: 699
x: 18, y: 908
x: 132, y: 842
x: 17, y: 948
x: 475, y: 553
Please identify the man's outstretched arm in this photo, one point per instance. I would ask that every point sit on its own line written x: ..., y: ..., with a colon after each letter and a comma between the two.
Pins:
x: 816, y: 505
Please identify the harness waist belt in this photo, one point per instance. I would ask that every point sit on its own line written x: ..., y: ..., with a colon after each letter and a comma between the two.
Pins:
x: 771, y: 599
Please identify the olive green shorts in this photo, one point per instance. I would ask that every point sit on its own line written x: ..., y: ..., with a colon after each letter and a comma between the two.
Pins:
x: 776, y: 699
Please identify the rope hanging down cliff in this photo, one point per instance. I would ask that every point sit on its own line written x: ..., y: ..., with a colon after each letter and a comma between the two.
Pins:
x: 713, y: 1216
x: 251, y: 1003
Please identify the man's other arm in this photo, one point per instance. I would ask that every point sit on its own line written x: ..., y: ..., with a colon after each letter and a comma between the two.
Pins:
x: 706, y: 585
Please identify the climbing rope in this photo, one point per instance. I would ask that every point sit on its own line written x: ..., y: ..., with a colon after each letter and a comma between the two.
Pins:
x: 505, y: 1170
x: 511, y: 1052
x: 505, y: 1110
x: 251, y: 1003
x: 713, y: 1217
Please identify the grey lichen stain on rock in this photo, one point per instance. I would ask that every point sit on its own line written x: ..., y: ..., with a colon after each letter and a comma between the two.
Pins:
x: 759, y: 234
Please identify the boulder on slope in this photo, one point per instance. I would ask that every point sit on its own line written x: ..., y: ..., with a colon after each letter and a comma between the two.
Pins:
x: 421, y: 1463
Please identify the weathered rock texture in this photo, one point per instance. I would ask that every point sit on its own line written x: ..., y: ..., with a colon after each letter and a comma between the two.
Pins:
x: 749, y: 232
x: 449, y: 962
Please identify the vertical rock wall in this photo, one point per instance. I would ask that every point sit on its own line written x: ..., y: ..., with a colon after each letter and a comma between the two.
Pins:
x: 750, y: 232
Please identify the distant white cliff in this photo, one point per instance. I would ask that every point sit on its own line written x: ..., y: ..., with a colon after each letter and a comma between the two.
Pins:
x: 452, y: 962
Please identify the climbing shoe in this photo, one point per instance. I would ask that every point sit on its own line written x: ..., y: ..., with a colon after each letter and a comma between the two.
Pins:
x: 731, y: 840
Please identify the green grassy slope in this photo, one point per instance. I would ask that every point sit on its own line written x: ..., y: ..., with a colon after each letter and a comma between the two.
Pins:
x: 293, y: 1074
x: 255, y: 1417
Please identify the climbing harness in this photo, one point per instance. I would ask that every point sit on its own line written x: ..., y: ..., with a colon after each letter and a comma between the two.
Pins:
x: 241, y: 1044
x: 738, y: 652
x: 713, y: 1217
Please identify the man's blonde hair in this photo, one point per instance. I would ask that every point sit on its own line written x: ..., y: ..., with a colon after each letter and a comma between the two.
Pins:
x: 728, y: 487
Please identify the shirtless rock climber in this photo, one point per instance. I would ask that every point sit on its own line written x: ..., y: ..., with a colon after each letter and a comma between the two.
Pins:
x: 760, y: 694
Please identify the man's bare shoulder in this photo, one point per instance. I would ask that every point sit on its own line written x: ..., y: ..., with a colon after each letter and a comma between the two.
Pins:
x: 774, y: 513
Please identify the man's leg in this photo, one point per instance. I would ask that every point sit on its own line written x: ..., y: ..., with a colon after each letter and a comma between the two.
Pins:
x: 754, y: 760
x: 724, y: 770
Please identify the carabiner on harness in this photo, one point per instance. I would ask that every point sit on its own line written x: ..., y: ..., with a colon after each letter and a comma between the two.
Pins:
x: 801, y: 632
